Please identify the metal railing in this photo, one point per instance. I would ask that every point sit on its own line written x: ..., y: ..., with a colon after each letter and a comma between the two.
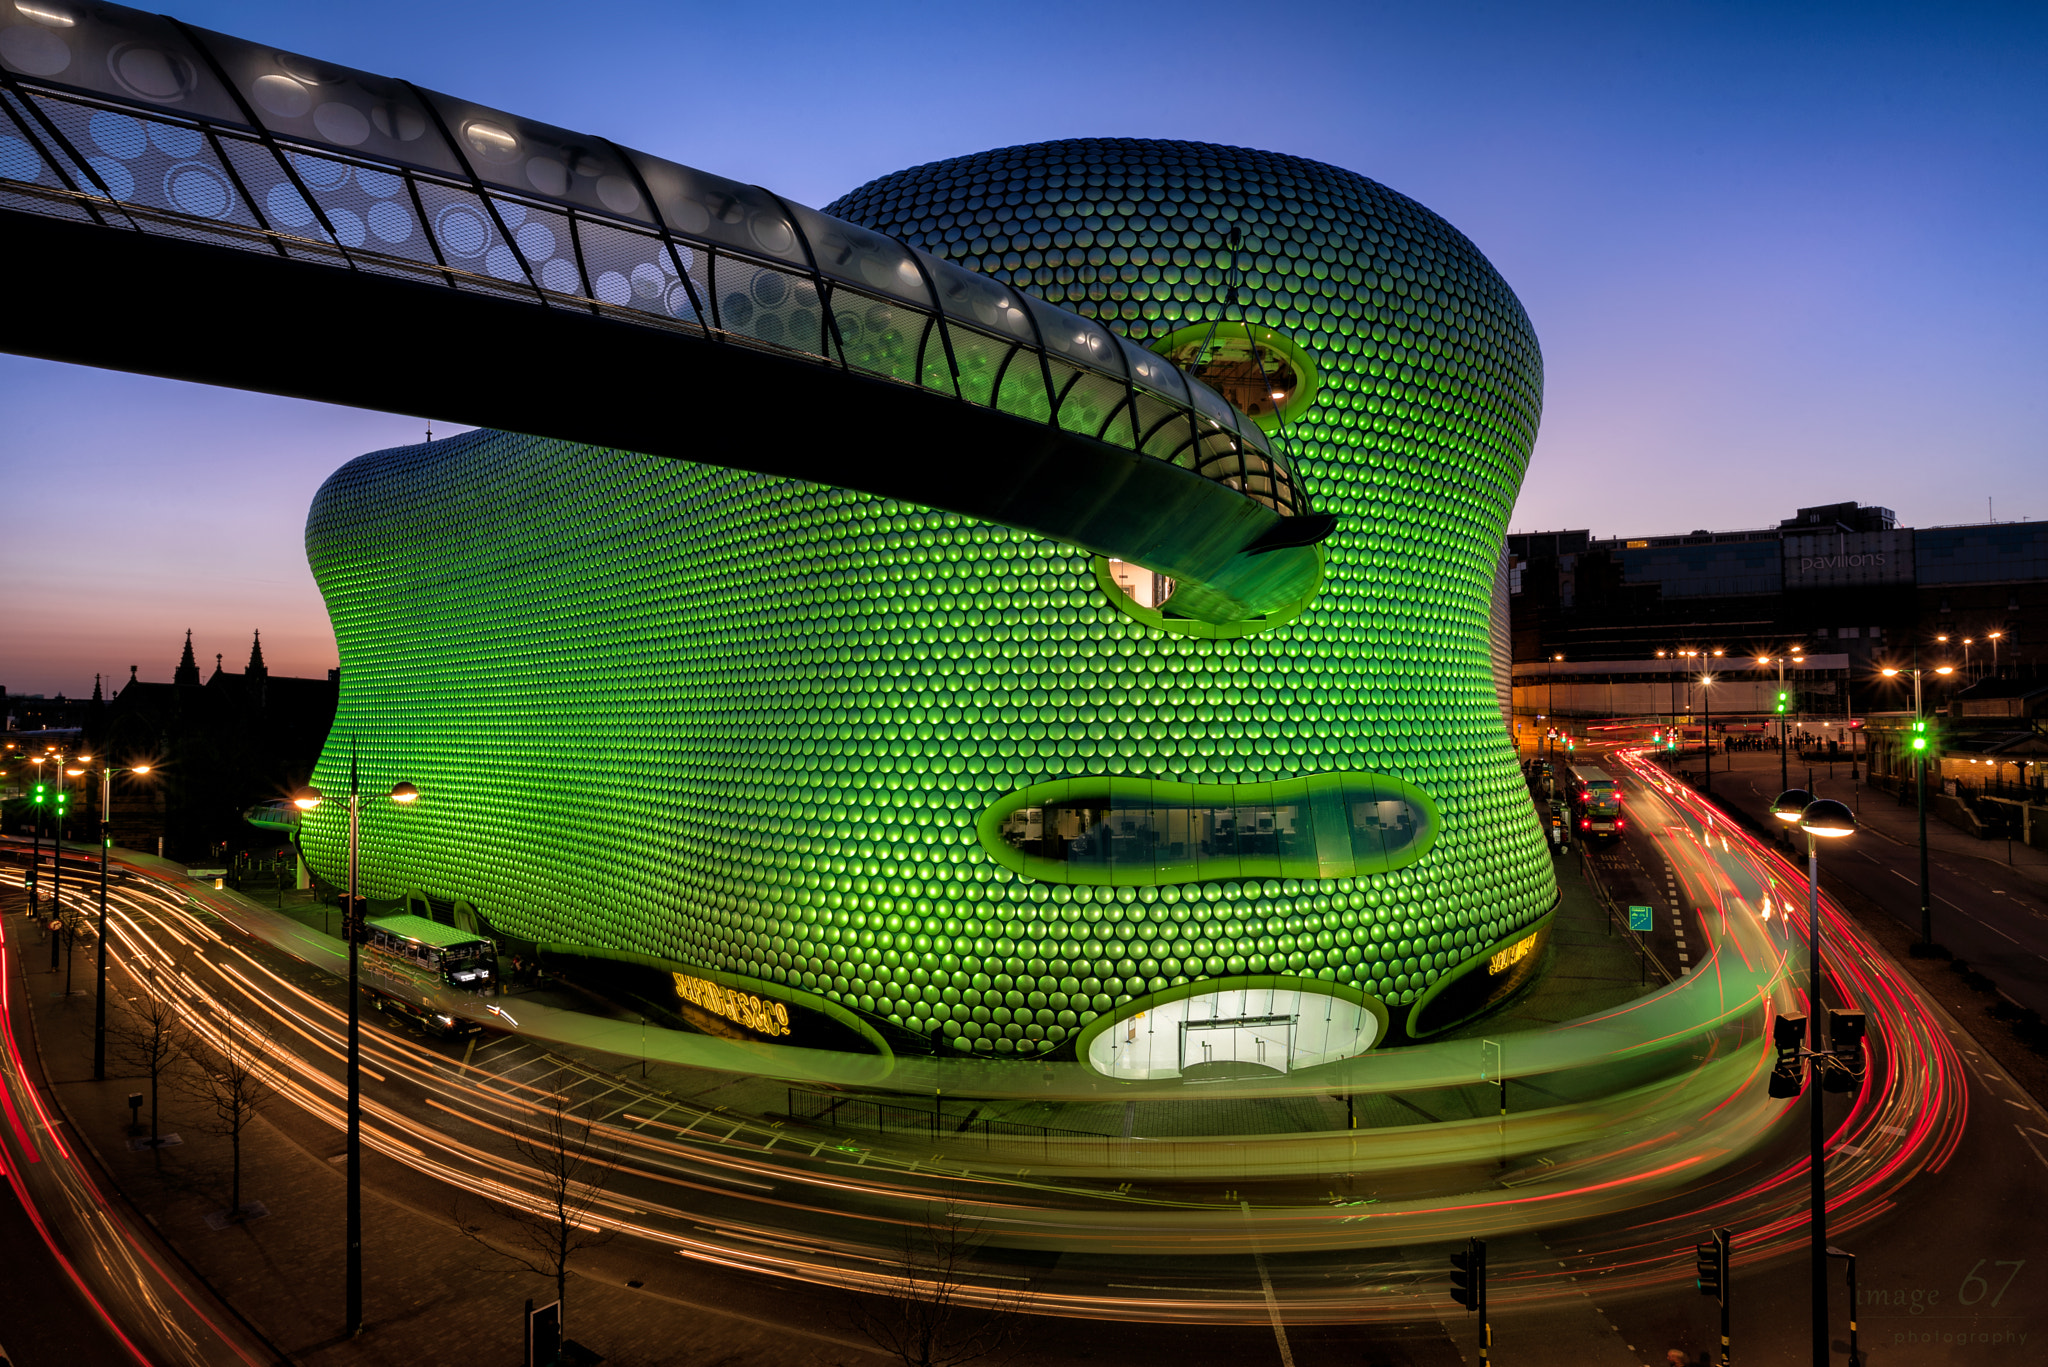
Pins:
x: 139, y: 123
x: 840, y: 1111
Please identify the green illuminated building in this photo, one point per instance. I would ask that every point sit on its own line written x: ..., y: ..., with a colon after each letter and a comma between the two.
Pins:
x: 969, y: 784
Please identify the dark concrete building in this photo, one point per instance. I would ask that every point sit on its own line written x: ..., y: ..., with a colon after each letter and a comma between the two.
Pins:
x: 1840, y: 579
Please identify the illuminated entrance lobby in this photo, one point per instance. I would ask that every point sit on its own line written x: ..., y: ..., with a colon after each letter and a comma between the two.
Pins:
x: 955, y: 785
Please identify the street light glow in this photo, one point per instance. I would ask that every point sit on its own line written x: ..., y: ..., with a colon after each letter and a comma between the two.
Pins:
x: 405, y: 792
x: 306, y: 799
x: 1829, y: 819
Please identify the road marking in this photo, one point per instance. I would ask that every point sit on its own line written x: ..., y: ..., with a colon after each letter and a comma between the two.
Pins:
x: 1272, y: 1304
x: 2030, y: 1146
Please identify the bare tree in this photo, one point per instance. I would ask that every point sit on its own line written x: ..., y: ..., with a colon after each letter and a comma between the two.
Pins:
x: 568, y: 1168
x: 926, y: 1315
x: 149, y: 1036
x: 226, y: 1081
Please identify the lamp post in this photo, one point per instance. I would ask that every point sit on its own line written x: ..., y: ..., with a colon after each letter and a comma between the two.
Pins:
x: 306, y: 800
x: 1783, y: 782
x: 1822, y: 819
x: 1550, y: 680
x: 1919, y: 743
x: 1707, y: 728
x: 1994, y: 637
x: 99, y: 1009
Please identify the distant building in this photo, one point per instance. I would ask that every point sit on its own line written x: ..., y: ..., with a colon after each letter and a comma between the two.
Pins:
x: 217, y: 746
x: 1838, y: 579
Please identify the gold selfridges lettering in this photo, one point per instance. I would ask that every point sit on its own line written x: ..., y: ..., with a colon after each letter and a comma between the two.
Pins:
x: 1512, y: 955
x: 763, y: 1018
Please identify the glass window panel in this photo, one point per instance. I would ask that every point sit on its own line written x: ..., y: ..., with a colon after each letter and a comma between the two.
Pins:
x: 125, y: 53
x: 1153, y: 372
x: 1174, y: 853
x: 1294, y: 837
x: 1076, y: 338
x: 937, y: 366
x: 1218, y: 854
x: 469, y: 239
x: 769, y: 305
x: 981, y: 359
x: 979, y: 300
x: 635, y: 270
x: 1023, y: 391
x: 1126, y: 815
x: 878, y: 336
x: 527, y: 157
x: 1332, y: 854
x: 1089, y: 400
x: 1163, y: 427
x: 314, y: 101
x: 860, y: 257
x: 701, y: 205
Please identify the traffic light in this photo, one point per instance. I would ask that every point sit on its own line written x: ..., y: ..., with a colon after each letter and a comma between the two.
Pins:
x: 1788, y: 1035
x: 1468, y: 1275
x: 1920, y: 736
x: 1845, y: 1041
x: 1710, y: 1265
x: 1784, y: 700
x: 42, y: 793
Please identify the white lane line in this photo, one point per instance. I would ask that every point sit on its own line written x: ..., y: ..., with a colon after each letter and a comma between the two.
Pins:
x: 2030, y: 1146
x: 1272, y: 1303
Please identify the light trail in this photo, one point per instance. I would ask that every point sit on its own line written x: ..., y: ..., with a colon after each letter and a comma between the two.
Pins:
x: 1631, y: 1171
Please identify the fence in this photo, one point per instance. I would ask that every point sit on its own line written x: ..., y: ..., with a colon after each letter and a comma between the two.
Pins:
x: 888, y: 1117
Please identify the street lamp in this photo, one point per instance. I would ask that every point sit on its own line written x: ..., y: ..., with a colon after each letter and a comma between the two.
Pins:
x: 306, y: 799
x: 1783, y: 781
x: 99, y: 1008
x: 1994, y: 637
x: 1550, y: 681
x: 1822, y: 819
x: 1919, y: 743
x: 1707, y: 727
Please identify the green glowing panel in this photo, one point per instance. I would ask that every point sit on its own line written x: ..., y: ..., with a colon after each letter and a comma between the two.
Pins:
x: 751, y: 725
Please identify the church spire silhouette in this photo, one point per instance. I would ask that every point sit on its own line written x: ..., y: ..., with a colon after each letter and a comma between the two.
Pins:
x: 188, y: 668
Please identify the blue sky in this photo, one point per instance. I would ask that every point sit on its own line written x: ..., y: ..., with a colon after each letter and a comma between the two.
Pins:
x: 1777, y: 254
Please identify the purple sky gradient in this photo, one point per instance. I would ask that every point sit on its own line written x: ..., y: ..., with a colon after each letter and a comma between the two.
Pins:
x: 1775, y: 258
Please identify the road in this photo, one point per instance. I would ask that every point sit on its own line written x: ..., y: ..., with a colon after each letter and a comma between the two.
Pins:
x: 1989, y: 912
x: 740, y: 1196
x: 87, y: 1282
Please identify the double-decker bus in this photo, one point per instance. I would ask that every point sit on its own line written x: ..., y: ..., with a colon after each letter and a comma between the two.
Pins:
x: 1596, y: 802
x: 425, y: 970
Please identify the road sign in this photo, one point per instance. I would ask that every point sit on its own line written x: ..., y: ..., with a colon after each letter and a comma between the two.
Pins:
x: 1639, y: 918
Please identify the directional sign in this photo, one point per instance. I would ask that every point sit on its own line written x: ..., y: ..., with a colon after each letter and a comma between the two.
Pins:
x: 1639, y: 918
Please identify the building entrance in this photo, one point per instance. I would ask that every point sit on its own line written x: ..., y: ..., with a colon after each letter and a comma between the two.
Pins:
x: 1234, y: 1031
x: 1259, y: 1042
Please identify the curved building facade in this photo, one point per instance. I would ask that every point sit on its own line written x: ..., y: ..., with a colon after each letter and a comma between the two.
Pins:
x: 985, y: 790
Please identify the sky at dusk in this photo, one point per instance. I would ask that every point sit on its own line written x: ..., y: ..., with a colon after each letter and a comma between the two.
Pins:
x: 1777, y: 254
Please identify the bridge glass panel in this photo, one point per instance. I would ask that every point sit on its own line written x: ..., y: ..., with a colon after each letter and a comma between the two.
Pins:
x: 380, y: 177
x: 109, y: 50
x: 304, y: 99
x: 878, y: 264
